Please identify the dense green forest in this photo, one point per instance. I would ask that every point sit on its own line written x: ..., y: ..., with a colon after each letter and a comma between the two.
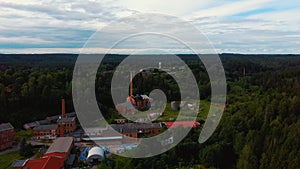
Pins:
x: 260, y: 127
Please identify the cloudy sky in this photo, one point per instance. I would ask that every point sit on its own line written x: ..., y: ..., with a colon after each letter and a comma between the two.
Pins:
x: 244, y: 26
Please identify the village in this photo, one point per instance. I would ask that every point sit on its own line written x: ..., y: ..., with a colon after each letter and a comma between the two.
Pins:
x: 62, y: 143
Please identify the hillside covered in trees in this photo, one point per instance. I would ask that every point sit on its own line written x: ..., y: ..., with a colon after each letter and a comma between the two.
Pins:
x: 260, y: 127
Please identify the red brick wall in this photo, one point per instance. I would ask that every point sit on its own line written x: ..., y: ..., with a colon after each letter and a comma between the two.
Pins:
x: 6, y: 139
x: 40, y: 134
x: 66, y: 128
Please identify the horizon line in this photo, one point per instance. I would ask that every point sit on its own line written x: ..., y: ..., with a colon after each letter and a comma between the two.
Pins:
x: 69, y: 53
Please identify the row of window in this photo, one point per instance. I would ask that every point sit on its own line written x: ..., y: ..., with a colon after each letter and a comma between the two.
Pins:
x: 130, y: 135
x: 68, y: 124
x: 45, y: 133
x: 6, y: 140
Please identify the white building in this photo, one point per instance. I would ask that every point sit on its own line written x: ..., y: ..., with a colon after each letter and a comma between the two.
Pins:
x: 95, y: 155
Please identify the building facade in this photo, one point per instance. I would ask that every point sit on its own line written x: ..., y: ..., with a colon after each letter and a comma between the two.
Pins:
x: 66, y: 125
x: 56, y: 156
x: 137, y: 130
x: 45, y: 131
x: 61, y: 124
x: 7, y: 136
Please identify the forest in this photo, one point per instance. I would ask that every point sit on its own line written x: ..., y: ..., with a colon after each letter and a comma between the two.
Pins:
x: 260, y: 127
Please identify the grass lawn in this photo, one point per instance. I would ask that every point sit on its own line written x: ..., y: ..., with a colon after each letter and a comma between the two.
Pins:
x: 7, y: 159
x: 170, y: 114
x: 27, y: 134
x: 204, y: 105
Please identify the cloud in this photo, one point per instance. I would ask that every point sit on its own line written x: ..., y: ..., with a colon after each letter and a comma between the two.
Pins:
x: 243, y: 26
x: 231, y: 8
x: 21, y: 39
x: 170, y: 7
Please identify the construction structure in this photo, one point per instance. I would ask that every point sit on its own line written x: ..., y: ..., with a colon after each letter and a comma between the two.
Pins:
x: 95, y: 155
x: 116, y: 134
x: 56, y: 157
x: 47, y: 120
x: 61, y: 145
x: 65, y: 124
x: 137, y: 130
x: 55, y: 125
x: 184, y: 124
x: 47, y: 132
x: 7, y: 136
x: 134, y: 102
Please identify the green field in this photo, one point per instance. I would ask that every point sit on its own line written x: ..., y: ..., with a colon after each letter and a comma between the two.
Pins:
x: 170, y: 115
x: 7, y: 159
x: 27, y: 134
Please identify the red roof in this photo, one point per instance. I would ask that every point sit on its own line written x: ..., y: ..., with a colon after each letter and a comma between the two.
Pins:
x: 193, y: 124
x: 48, y: 161
x: 224, y: 106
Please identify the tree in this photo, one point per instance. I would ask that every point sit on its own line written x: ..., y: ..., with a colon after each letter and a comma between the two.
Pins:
x: 26, y: 150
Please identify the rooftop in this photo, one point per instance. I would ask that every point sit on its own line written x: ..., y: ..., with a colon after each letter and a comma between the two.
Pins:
x: 193, y: 124
x: 6, y: 126
x: 95, y: 151
x: 103, y: 138
x: 46, y: 127
x: 49, y: 162
x: 110, y: 132
x: 43, y: 122
x: 31, y: 124
x: 67, y: 119
x: 134, y: 127
x: 61, y: 144
x: 55, y: 117
x: 19, y: 163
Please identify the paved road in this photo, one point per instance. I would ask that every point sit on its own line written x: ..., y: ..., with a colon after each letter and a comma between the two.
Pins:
x: 15, y: 148
x: 35, y: 143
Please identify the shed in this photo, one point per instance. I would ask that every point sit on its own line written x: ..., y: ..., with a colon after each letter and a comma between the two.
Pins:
x: 19, y: 164
x: 95, y: 155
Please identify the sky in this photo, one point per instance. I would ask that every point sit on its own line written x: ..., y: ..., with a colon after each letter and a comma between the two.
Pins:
x: 63, y: 26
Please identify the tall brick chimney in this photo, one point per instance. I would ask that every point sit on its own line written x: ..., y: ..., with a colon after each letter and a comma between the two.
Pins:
x: 63, y: 108
x: 130, y: 90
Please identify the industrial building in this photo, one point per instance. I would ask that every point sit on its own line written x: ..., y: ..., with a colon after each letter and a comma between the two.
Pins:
x: 95, y: 155
x: 137, y: 130
x: 56, y: 126
x: 7, y: 136
x: 134, y: 102
x: 56, y: 157
x: 45, y: 131
x: 61, y: 145
x: 184, y: 124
